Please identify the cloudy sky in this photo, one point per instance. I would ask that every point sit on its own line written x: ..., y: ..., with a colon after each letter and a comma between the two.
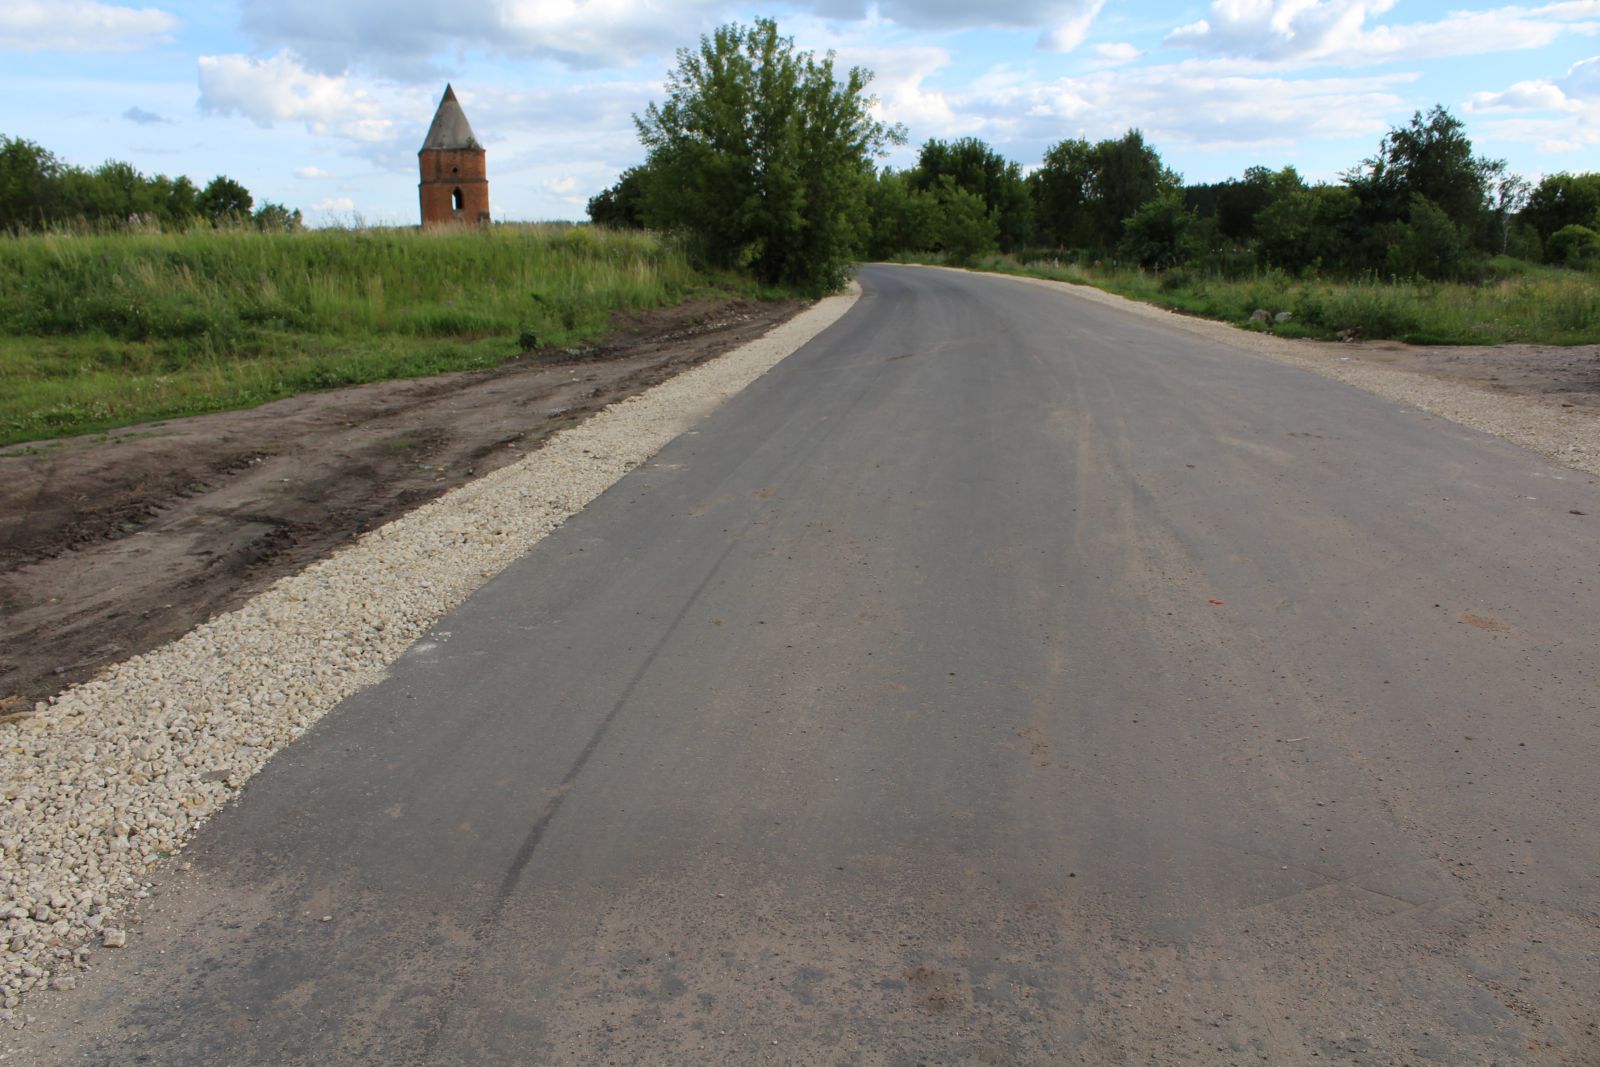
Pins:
x: 321, y: 104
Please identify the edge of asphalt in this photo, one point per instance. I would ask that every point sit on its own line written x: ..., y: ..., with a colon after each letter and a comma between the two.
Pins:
x: 1565, y: 435
x: 111, y: 777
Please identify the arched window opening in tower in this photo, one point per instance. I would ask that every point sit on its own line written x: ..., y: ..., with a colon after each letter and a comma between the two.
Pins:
x: 457, y: 201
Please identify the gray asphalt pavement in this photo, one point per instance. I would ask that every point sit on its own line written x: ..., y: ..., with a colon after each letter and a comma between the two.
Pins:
x: 1004, y: 678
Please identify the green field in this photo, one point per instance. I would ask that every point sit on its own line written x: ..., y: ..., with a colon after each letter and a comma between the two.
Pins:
x: 1516, y: 303
x: 98, y: 331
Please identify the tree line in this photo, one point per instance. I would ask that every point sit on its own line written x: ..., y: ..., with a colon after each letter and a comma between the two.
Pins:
x: 765, y: 160
x: 39, y: 191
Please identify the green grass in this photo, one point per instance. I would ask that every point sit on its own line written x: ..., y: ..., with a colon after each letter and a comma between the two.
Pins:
x: 1518, y: 303
x: 99, y: 331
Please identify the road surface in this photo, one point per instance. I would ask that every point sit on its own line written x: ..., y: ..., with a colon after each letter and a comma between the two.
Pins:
x: 1004, y: 678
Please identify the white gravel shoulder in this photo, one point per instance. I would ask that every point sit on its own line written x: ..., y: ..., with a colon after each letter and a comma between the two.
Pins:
x: 112, y: 776
x: 1567, y: 435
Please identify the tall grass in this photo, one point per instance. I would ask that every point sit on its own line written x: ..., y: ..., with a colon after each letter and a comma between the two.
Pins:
x: 104, y: 330
x: 1517, y: 303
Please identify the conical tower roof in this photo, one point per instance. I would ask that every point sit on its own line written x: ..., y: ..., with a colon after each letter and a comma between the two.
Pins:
x: 450, y: 129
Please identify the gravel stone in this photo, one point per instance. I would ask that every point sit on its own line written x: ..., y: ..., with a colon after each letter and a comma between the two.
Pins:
x: 111, y: 777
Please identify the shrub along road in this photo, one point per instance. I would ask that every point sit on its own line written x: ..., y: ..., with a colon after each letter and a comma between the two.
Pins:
x: 1002, y: 678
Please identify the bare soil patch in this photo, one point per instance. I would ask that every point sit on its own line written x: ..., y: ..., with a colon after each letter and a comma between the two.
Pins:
x: 112, y: 544
x: 1567, y: 374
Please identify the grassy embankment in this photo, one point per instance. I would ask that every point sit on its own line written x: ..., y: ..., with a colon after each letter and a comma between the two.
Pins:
x: 98, y: 331
x: 1517, y: 302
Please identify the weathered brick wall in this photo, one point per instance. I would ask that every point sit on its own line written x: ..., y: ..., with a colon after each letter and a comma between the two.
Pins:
x: 444, y: 171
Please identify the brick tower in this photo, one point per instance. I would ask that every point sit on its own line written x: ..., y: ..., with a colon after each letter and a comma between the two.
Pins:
x: 455, y: 183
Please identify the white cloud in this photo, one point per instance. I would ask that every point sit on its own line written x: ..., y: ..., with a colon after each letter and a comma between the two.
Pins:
x: 280, y: 89
x: 955, y: 14
x: 1069, y: 33
x: 402, y: 37
x: 564, y: 189
x: 556, y: 147
x: 1114, y: 54
x: 312, y: 172
x: 1308, y: 31
x: 81, y: 26
x: 1063, y: 23
x: 1523, y: 96
x: 1547, y: 135
x: 1579, y: 89
x: 1574, y: 99
x: 1583, y: 80
x: 899, y: 77
x: 1186, y: 106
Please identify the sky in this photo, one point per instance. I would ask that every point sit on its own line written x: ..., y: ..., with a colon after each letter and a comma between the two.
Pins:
x: 322, y: 104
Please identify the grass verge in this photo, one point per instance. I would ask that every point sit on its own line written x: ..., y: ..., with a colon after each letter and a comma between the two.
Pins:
x: 1518, y: 303
x: 99, y: 331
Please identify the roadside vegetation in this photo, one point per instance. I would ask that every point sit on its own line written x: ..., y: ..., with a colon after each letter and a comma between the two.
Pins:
x: 1424, y: 241
x: 1515, y: 303
x: 103, y: 330
x: 40, y: 191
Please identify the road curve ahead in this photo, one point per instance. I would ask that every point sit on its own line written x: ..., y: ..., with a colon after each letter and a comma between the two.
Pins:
x: 1004, y: 678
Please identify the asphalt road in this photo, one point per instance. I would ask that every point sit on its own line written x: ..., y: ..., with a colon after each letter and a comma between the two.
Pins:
x: 1004, y: 678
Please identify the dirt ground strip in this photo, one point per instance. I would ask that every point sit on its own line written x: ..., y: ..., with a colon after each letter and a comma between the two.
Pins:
x: 113, y: 544
x: 1568, y: 375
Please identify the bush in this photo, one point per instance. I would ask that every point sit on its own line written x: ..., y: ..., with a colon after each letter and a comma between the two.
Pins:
x: 1154, y: 235
x: 1429, y: 245
x: 1574, y: 246
x: 1313, y: 227
x: 966, y: 228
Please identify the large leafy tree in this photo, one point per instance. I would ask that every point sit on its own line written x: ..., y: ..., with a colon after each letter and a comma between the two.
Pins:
x: 971, y: 165
x: 964, y: 227
x: 763, y: 156
x: 224, y: 199
x: 30, y: 183
x: 901, y: 218
x: 1086, y: 193
x: 1430, y: 156
x: 1129, y: 174
x: 1063, y: 188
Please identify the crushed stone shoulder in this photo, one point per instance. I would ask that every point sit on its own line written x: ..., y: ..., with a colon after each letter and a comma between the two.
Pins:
x: 111, y: 777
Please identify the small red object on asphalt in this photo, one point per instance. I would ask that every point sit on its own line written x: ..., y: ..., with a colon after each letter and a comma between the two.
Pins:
x: 1216, y: 602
